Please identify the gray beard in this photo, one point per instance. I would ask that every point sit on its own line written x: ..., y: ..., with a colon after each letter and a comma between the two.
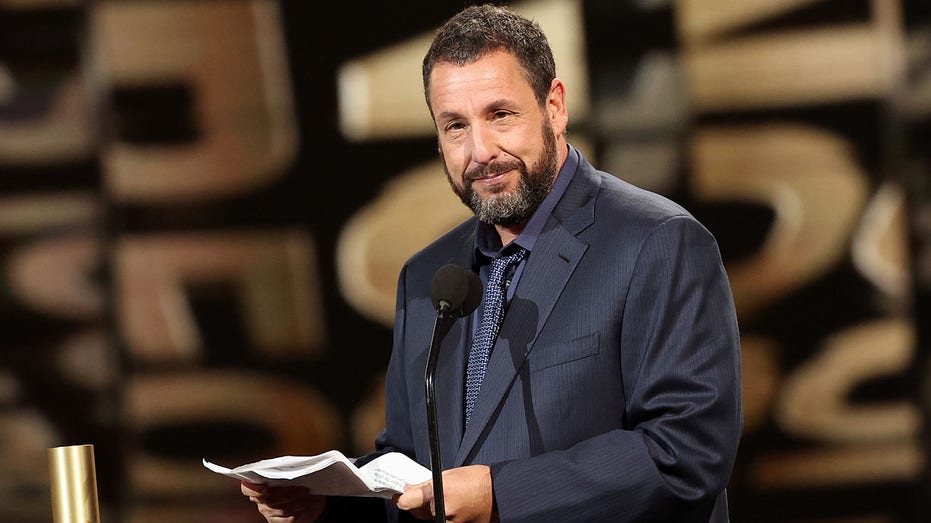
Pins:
x: 509, y: 209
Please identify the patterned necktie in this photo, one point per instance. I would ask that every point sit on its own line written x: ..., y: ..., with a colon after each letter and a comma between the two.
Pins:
x: 484, y: 339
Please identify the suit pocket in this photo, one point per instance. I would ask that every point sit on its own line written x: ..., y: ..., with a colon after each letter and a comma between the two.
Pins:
x: 552, y: 354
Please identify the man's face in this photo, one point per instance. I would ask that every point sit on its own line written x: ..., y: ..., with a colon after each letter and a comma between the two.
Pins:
x: 498, y: 145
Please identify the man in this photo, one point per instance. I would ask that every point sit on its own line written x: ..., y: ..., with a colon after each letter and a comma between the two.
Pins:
x: 612, y: 392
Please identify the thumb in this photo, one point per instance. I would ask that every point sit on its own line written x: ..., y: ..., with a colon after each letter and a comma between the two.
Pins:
x: 415, y: 496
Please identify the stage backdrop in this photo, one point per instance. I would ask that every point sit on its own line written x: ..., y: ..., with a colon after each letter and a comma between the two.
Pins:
x: 204, y: 205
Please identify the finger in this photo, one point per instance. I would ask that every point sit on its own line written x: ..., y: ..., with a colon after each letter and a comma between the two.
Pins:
x: 251, y: 489
x: 413, y: 497
x: 291, y: 508
x: 281, y: 496
x: 427, y: 493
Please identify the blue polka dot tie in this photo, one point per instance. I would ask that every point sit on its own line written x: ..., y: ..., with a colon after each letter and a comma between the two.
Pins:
x: 487, y: 333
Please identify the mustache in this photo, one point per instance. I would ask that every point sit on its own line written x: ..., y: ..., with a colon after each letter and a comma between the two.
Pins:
x: 492, y: 169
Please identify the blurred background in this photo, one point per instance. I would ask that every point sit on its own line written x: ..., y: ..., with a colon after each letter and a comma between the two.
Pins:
x: 204, y: 205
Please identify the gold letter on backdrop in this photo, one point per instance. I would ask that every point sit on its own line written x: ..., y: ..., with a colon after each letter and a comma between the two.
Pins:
x: 812, y: 181
x: 270, y: 271
x: 231, y: 55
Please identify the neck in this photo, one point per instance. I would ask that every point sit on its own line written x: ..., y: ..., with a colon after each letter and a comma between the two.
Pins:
x: 507, y: 234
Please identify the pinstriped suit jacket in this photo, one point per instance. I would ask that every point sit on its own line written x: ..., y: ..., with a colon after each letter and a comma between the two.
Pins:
x: 613, y: 391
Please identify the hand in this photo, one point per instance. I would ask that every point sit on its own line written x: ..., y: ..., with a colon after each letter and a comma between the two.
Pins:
x: 467, y: 496
x: 284, y: 504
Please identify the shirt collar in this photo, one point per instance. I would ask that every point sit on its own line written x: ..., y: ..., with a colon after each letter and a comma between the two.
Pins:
x: 487, y: 242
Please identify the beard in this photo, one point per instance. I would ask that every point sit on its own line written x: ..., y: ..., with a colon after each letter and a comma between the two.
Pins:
x: 506, y: 208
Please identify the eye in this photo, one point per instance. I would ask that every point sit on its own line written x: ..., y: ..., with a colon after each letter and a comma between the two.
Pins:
x: 453, y: 127
x: 500, y: 115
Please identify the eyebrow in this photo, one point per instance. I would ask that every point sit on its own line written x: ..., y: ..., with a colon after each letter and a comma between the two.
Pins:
x: 446, y: 115
x: 489, y: 107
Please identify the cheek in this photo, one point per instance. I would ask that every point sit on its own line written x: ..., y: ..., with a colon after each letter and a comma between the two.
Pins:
x: 454, y: 176
x: 454, y: 163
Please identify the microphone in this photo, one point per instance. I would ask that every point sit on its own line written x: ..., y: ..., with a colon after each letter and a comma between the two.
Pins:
x: 455, y: 293
x: 455, y: 290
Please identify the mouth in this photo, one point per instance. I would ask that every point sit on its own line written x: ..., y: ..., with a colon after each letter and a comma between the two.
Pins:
x: 490, y: 178
x: 493, y: 177
x: 491, y: 174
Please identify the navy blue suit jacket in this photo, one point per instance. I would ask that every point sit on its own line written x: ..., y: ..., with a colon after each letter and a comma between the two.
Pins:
x: 613, y: 391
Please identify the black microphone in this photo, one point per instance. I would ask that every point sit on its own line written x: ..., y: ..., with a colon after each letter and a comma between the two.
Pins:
x: 455, y: 290
x: 455, y: 293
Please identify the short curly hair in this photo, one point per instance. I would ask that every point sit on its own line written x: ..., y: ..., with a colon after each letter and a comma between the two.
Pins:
x: 481, y: 29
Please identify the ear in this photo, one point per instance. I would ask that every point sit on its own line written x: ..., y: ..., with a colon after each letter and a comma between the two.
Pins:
x: 556, y: 106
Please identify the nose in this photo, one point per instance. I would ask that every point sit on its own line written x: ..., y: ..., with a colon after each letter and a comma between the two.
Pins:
x: 484, y: 145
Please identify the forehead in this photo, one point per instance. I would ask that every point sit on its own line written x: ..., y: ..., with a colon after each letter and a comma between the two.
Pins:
x: 497, y: 74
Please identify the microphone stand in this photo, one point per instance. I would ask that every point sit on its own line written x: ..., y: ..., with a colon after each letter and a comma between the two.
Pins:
x: 444, y: 321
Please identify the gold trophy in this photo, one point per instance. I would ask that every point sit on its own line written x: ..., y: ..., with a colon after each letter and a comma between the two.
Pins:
x: 73, y: 479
